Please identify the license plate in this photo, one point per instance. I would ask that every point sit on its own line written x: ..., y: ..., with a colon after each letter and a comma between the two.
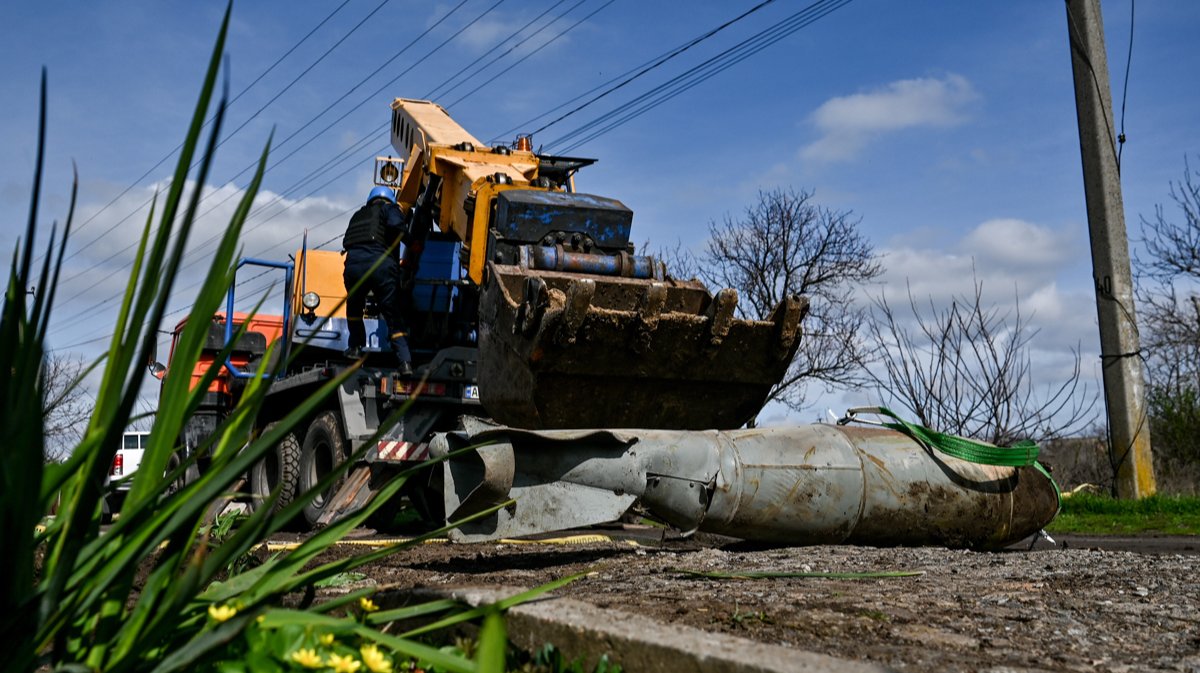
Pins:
x: 470, y: 392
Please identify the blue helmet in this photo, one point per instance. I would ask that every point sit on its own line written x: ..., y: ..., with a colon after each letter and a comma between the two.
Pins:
x: 385, y: 192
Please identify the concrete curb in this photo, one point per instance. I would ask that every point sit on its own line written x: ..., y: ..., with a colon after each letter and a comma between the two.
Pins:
x: 638, y: 643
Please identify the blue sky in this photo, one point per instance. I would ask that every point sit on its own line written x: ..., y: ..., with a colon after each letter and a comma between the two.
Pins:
x: 948, y: 127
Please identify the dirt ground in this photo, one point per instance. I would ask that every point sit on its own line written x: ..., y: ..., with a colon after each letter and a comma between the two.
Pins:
x: 1100, y: 604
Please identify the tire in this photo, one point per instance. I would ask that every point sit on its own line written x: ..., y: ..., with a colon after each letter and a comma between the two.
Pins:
x: 279, y: 468
x: 192, y: 473
x: 106, y: 510
x: 324, y: 448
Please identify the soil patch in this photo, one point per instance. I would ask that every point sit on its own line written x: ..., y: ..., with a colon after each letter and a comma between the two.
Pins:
x: 1087, y: 607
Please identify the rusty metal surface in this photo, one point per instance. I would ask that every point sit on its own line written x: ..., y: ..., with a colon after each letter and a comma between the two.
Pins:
x: 820, y: 484
x: 570, y: 351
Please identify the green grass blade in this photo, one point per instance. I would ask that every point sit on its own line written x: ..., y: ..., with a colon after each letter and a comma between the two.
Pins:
x: 22, y: 468
x: 493, y: 644
x: 410, y: 612
x: 504, y: 604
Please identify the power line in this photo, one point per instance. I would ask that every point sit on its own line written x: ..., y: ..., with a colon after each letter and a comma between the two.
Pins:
x: 665, y: 58
x: 216, y: 236
x: 253, y: 164
x: 545, y: 44
x: 532, y: 120
x: 432, y: 94
x: 168, y: 155
x: 673, y: 87
x: 1125, y: 87
x: 297, y: 78
x: 262, y: 207
x: 481, y: 56
x: 699, y: 73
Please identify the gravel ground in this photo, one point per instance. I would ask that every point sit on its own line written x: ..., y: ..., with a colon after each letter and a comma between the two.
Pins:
x: 1082, y: 608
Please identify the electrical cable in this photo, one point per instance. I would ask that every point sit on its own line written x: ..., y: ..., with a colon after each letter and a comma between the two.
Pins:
x: 698, y: 74
x: 545, y: 44
x: 252, y: 165
x: 675, y: 92
x: 1125, y: 86
x: 168, y: 155
x: 667, y: 57
x: 1077, y: 46
x: 432, y: 92
x: 216, y: 236
x: 259, y: 209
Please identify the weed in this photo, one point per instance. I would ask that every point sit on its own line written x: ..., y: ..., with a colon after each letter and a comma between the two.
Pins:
x: 876, y: 615
x: 739, y: 618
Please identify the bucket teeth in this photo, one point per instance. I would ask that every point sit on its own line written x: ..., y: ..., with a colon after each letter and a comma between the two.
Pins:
x: 533, y: 307
x: 721, y: 315
x: 579, y: 299
x: 787, y: 317
x: 650, y: 306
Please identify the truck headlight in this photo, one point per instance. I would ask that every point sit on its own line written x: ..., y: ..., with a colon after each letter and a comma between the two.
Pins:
x: 311, y: 300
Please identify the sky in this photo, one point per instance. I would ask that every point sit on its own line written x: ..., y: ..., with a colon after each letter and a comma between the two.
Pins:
x: 948, y: 128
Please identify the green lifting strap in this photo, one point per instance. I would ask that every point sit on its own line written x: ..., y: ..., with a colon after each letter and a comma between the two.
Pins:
x: 1021, y: 454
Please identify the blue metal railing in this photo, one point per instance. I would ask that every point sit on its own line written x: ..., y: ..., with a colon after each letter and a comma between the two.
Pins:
x: 288, y: 270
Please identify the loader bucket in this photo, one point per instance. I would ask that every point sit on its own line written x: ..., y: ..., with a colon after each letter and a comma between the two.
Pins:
x: 571, y: 350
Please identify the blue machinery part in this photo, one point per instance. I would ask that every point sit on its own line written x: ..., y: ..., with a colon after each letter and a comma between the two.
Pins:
x: 288, y: 270
x: 555, y: 258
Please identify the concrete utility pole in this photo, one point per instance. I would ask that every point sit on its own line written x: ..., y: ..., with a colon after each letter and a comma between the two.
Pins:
x: 1124, y: 388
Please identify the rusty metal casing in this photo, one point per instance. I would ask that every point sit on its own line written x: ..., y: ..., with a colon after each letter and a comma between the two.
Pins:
x: 812, y: 484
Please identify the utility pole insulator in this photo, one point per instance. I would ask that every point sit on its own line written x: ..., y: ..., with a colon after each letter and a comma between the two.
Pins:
x: 1124, y: 386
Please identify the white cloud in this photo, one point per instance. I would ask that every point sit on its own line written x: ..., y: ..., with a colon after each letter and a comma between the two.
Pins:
x: 848, y: 123
x: 102, y: 252
x: 1017, y: 244
x: 494, y: 32
x: 1008, y: 255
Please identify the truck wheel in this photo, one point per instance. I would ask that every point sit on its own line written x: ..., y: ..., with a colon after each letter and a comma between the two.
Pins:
x: 324, y: 448
x: 192, y: 473
x: 279, y: 468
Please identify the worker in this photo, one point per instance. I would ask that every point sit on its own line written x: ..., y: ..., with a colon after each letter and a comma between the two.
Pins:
x: 374, y: 235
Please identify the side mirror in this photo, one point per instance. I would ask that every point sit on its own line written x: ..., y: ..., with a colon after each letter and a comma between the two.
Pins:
x: 157, y: 369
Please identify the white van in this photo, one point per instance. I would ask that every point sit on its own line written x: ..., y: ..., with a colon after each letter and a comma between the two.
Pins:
x: 125, y: 463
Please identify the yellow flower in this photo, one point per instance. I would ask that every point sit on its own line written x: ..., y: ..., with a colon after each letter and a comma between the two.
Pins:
x: 221, y: 613
x: 375, y: 660
x: 367, y: 604
x: 307, y: 657
x: 340, y: 664
x: 326, y: 639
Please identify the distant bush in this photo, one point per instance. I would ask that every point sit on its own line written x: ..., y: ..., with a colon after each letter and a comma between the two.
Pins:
x: 1175, y: 437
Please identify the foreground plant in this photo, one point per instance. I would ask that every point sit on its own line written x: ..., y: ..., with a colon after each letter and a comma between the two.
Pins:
x: 143, y: 595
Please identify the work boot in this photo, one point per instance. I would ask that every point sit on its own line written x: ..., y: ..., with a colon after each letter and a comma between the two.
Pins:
x: 404, y: 369
x: 353, y: 352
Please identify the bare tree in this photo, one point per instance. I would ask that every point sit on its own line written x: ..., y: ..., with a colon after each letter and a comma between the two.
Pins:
x: 785, y: 244
x: 1169, y: 324
x: 1169, y: 279
x: 66, y: 405
x: 966, y: 370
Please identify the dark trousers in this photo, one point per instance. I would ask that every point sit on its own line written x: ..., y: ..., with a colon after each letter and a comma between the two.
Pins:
x: 384, y: 282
